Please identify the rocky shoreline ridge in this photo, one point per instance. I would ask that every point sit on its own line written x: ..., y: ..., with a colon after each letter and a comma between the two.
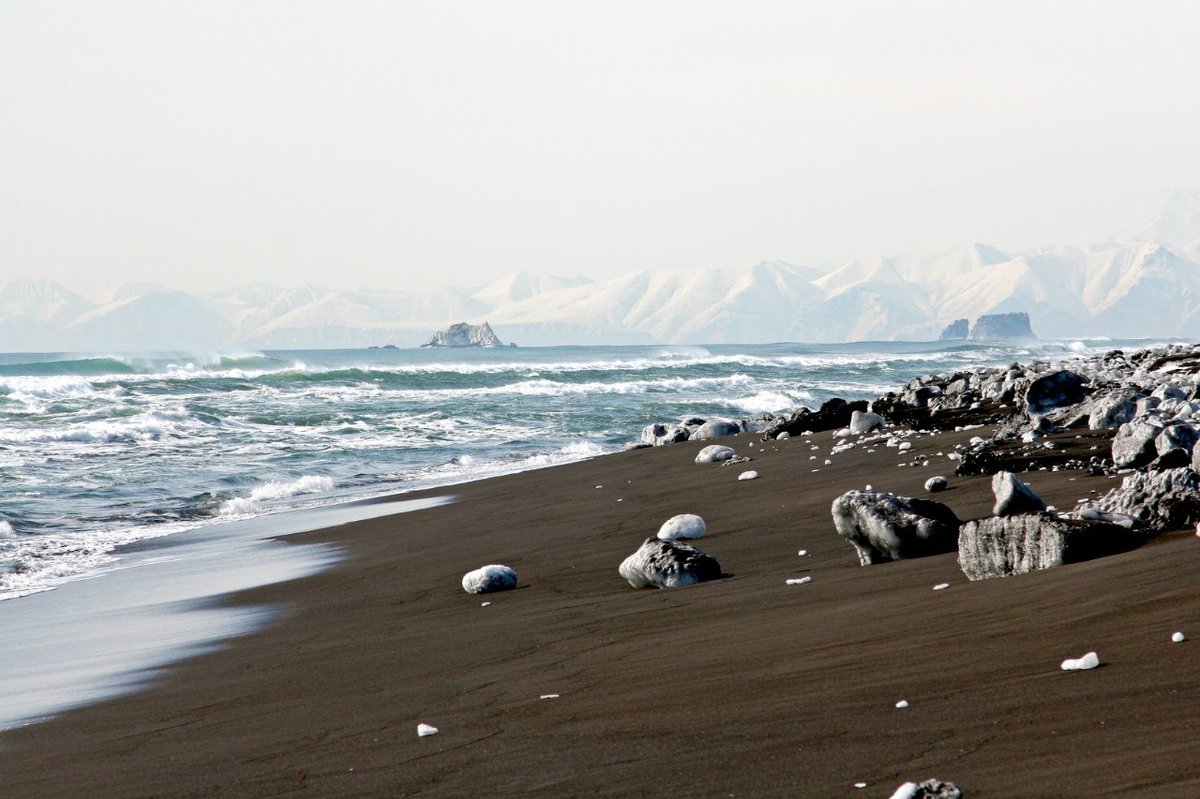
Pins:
x: 1135, y: 415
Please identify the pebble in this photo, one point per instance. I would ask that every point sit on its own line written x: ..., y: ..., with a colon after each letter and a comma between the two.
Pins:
x: 784, y: 436
x: 941, y: 586
x: 802, y: 552
x: 549, y: 696
x: 484, y: 604
x: 426, y: 729
x: 903, y: 703
x: 751, y: 475
x: 860, y: 785
x: 1179, y: 638
x: 799, y: 580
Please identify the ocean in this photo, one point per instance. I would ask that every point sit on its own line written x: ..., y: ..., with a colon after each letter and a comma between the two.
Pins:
x: 100, y: 452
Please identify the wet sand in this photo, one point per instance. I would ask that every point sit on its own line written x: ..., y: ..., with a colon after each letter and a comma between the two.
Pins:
x: 741, y: 687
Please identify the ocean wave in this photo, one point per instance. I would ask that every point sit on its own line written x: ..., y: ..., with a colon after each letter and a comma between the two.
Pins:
x: 275, y: 490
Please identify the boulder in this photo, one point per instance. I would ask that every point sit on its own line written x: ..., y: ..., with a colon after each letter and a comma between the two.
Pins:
x: 1133, y: 445
x: 1177, y: 435
x: 1112, y: 410
x: 1002, y: 546
x: 1159, y: 500
x: 929, y: 789
x: 1013, y: 496
x: 833, y: 413
x: 714, y: 453
x: 715, y: 428
x: 668, y: 564
x: 1055, y: 390
x: 658, y: 434
x: 685, y: 525
x: 884, y: 527
x: 864, y: 422
x: 489, y: 579
x: 935, y: 484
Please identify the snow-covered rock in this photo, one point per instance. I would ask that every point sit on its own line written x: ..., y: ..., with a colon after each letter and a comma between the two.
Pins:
x: 668, y: 564
x: 684, y: 525
x: 488, y: 579
x: 929, y: 789
x: 935, y: 484
x: 1160, y: 500
x: 884, y: 527
x: 1133, y: 445
x: 864, y: 422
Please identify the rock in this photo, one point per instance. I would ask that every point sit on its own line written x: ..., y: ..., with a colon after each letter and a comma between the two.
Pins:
x: 929, y: 789
x: 1178, y: 638
x: 714, y: 453
x: 489, y: 579
x: 1160, y: 500
x: 1171, y: 459
x: 1133, y: 445
x: 864, y: 422
x: 660, y: 434
x: 1089, y: 661
x: 935, y: 484
x: 1002, y: 546
x: 1013, y: 496
x: 833, y: 414
x: 685, y: 525
x: 1002, y: 326
x: 464, y: 335
x: 954, y: 331
x: 750, y: 475
x: 1112, y: 410
x: 715, y: 428
x: 885, y: 527
x: 668, y: 564
x: 1054, y: 390
x: 1177, y: 435
x: 425, y: 730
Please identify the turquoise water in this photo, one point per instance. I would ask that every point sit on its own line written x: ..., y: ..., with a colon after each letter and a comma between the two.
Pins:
x: 101, y: 450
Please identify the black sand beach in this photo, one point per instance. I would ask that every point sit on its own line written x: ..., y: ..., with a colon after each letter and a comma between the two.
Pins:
x: 745, y: 686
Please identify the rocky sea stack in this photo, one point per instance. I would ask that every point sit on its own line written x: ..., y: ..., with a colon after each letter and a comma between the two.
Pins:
x: 465, y: 335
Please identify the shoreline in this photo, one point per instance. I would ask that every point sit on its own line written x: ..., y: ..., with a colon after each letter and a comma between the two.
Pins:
x: 744, y: 685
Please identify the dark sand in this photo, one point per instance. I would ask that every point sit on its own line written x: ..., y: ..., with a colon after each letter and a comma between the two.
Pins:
x: 742, y: 687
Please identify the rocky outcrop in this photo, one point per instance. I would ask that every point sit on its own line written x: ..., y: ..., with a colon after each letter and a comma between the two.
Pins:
x: 955, y: 331
x: 668, y: 564
x: 832, y: 415
x: 465, y: 335
x: 1013, y: 496
x: 1159, y: 500
x: 884, y: 527
x: 1003, y: 546
x: 489, y: 579
x: 1002, y: 326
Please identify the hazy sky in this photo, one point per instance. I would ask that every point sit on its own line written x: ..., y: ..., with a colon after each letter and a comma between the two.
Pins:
x: 207, y: 144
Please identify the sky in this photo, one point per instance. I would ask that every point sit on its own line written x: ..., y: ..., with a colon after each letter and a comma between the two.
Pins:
x: 209, y: 144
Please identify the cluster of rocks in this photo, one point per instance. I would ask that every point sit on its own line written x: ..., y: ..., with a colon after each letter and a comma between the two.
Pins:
x: 665, y: 562
x: 697, y: 429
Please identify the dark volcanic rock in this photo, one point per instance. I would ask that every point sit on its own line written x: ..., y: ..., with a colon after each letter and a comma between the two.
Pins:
x: 998, y: 547
x: 833, y: 414
x: 1054, y: 390
x: 668, y: 564
x: 885, y: 527
x: 1133, y: 445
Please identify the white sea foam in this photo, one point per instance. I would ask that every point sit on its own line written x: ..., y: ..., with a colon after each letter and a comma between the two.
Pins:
x: 276, y: 490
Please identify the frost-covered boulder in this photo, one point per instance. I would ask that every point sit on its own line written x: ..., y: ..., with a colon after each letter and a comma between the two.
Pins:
x: 1013, y: 496
x: 1054, y: 390
x: 935, y: 484
x: 668, y: 564
x: 929, y: 789
x: 1112, y: 410
x: 1002, y: 546
x: 685, y: 525
x: 884, y: 527
x: 714, y: 453
x: 488, y: 579
x: 1159, y: 500
x: 864, y: 422
x: 1133, y: 445
x: 715, y: 428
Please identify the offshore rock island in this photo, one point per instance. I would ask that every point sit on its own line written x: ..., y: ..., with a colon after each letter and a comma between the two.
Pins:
x: 465, y: 335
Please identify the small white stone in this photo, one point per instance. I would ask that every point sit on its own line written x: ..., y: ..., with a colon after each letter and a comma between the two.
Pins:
x: 484, y: 604
x: 684, y: 525
x: 549, y: 696
x: 799, y: 580
x: 1089, y: 661
x: 941, y: 586
x: 869, y: 488
x: 599, y: 486
x: 751, y: 475
x: 802, y: 552
x: 1178, y: 638
x: 784, y: 436
x: 828, y: 462
x: 426, y: 729
x: 903, y: 703
x: 905, y: 446
x: 860, y: 785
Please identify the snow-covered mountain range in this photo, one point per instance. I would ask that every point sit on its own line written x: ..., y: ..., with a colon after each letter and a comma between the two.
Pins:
x: 1141, y: 278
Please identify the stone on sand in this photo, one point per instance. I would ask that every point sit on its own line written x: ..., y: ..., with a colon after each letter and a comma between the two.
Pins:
x: 488, y: 579
x: 668, y: 564
x: 884, y: 527
x: 1013, y: 496
x: 684, y: 525
x: 1005, y: 545
x: 714, y: 453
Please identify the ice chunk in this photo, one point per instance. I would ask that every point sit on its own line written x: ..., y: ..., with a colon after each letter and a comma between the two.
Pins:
x: 1089, y: 661
x: 799, y: 580
x: 784, y: 436
x: 424, y: 730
